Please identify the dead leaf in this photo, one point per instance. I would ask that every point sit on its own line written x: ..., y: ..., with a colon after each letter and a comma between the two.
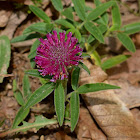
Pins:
x: 5, y: 13
x: 111, y: 114
x: 12, y: 25
x: 129, y: 70
x: 62, y: 136
x: 86, y: 127
x: 96, y: 74
x: 8, y: 106
x: 136, y: 114
x: 129, y: 94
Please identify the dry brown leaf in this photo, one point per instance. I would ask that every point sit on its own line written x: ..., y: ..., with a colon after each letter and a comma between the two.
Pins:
x: 62, y: 136
x: 129, y: 70
x: 8, y: 106
x: 111, y: 114
x: 129, y: 94
x: 86, y: 127
x: 96, y: 74
x: 12, y: 25
x: 5, y: 13
x: 136, y: 114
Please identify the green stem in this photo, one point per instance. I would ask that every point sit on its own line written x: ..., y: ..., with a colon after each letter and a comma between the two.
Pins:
x: 68, y: 96
x: 80, y: 26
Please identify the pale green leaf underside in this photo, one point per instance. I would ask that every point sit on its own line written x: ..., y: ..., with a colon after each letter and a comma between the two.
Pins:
x: 5, y: 55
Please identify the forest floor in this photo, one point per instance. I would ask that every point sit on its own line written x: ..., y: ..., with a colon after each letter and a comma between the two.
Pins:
x: 101, y: 114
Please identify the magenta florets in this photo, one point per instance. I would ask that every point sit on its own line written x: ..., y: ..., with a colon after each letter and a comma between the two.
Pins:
x: 54, y: 55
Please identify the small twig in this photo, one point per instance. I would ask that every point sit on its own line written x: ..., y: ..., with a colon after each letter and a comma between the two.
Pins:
x: 6, y: 75
x: 139, y: 6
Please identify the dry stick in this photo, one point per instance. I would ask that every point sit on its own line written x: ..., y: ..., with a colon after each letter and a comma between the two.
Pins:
x: 6, y: 75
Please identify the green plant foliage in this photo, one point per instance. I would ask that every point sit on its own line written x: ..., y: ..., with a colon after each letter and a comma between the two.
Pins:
x: 64, y: 23
x: 111, y: 62
x: 25, y: 37
x: 94, y: 87
x: 80, y: 9
x: 26, y: 88
x: 116, y: 17
x: 36, y: 73
x: 75, y: 78
x: 131, y: 28
x: 68, y: 13
x: 96, y: 57
x: 91, y: 27
x: 40, y: 121
x: 58, y: 5
x: 126, y: 41
x: 82, y: 65
x: 78, y: 35
x: 36, y: 97
x: 94, y: 31
x: 5, y: 55
x: 39, y: 27
x: 59, y: 101
x: 33, y: 49
x: 74, y: 109
x: 95, y: 13
x: 39, y: 13
x: 17, y: 93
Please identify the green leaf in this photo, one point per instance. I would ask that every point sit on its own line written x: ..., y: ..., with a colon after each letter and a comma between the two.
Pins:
x: 70, y: 30
x: 39, y: 13
x: 78, y: 35
x: 25, y: 37
x: 67, y: 111
x: 26, y: 88
x: 96, y: 57
x: 68, y: 13
x: 74, y: 109
x: 64, y: 23
x: 94, y: 87
x: 116, y: 18
x: 97, y: 2
x: 44, y: 81
x: 36, y: 97
x: 104, y: 17
x: 39, y: 27
x: 57, y: 4
x: 90, y: 27
x: 80, y: 9
x: 27, y: 31
x: 75, y: 78
x: 5, y: 55
x: 32, y: 63
x: 33, y: 49
x: 59, y: 100
x: 17, y: 93
x: 36, y: 73
x: 126, y: 41
x: 111, y: 62
x: 98, y: 11
x: 85, y: 55
x: 40, y: 121
x: 84, y: 67
x: 131, y: 28
x: 102, y: 28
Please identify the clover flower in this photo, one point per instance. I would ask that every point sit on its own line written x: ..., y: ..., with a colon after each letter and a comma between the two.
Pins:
x: 55, y: 55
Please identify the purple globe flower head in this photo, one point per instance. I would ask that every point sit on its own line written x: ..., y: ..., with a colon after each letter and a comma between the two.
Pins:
x: 54, y: 56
